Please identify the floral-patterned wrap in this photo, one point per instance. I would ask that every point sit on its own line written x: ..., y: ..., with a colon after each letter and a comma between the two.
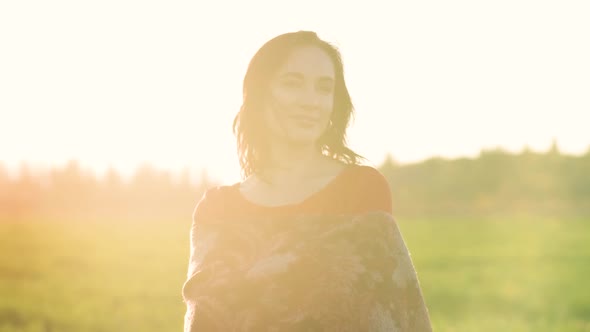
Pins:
x: 304, y: 273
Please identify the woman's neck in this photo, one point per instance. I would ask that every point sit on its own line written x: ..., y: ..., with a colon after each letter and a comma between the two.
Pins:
x: 291, y: 164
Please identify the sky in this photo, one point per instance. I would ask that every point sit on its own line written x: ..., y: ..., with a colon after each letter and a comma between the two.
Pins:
x: 123, y: 83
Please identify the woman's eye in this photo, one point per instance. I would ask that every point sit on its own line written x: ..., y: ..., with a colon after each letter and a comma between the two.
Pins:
x: 325, y: 89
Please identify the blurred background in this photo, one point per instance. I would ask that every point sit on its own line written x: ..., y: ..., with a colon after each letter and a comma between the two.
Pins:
x: 116, y: 116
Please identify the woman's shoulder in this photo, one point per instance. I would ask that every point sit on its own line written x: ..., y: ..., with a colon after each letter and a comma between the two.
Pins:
x: 367, y: 176
x: 212, y: 202
x: 370, y: 173
x: 370, y: 189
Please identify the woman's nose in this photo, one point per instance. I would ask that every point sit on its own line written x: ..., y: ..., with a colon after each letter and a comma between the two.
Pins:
x: 308, y: 97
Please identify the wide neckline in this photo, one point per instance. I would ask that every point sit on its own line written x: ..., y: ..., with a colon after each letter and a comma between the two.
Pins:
x: 310, y: 197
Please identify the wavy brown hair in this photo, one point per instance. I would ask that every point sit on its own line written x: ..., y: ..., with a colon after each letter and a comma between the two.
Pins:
x: 248, y: 126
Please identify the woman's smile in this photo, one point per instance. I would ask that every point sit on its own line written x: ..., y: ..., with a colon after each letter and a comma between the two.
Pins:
x: 305, y: 121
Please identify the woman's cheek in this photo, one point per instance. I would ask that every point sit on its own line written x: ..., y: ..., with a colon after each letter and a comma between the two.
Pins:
x: 284, y: 96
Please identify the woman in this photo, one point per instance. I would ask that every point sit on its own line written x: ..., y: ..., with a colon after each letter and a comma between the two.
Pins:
x: 306, y: 242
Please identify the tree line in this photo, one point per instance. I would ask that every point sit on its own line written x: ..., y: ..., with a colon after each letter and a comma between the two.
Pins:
x: 496, y: 183
x: 73, y: 193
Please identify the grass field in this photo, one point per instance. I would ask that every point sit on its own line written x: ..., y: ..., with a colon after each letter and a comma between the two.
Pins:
x: 496, y: 275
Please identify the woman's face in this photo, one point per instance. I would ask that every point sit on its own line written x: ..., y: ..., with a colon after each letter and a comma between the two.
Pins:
x: 301, y: 97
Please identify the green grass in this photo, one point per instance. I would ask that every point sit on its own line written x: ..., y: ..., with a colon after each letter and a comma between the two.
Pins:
x: 476, y: 275
x: 111, y: 276
x: 504, y: 275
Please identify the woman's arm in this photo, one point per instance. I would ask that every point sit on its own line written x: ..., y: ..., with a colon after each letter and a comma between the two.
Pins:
x: 197, y: 251
x: 408, y: 303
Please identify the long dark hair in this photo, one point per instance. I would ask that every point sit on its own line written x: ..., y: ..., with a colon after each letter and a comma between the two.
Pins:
x: 248, y: 125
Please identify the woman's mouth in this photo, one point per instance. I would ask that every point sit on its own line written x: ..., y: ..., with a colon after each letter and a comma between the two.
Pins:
x: 305, y: 121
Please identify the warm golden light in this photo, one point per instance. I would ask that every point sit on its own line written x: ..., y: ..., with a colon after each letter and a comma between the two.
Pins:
x: 123, y: 83
x: 116, y: 116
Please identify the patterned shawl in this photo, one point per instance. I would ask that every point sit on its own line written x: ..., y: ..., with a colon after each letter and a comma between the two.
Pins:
x: 305, y: 273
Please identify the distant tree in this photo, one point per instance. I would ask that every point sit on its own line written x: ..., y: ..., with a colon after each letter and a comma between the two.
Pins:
x: 26, y: 193
x: 554, y: 149
x: 5, y: 192
x: 389, y: 165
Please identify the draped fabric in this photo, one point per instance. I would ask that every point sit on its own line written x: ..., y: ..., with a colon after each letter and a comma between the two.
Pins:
x: 306, y: 272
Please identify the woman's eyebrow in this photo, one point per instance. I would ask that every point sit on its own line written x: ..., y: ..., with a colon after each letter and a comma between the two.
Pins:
x: 300, y: 76
x: 292, y: 74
